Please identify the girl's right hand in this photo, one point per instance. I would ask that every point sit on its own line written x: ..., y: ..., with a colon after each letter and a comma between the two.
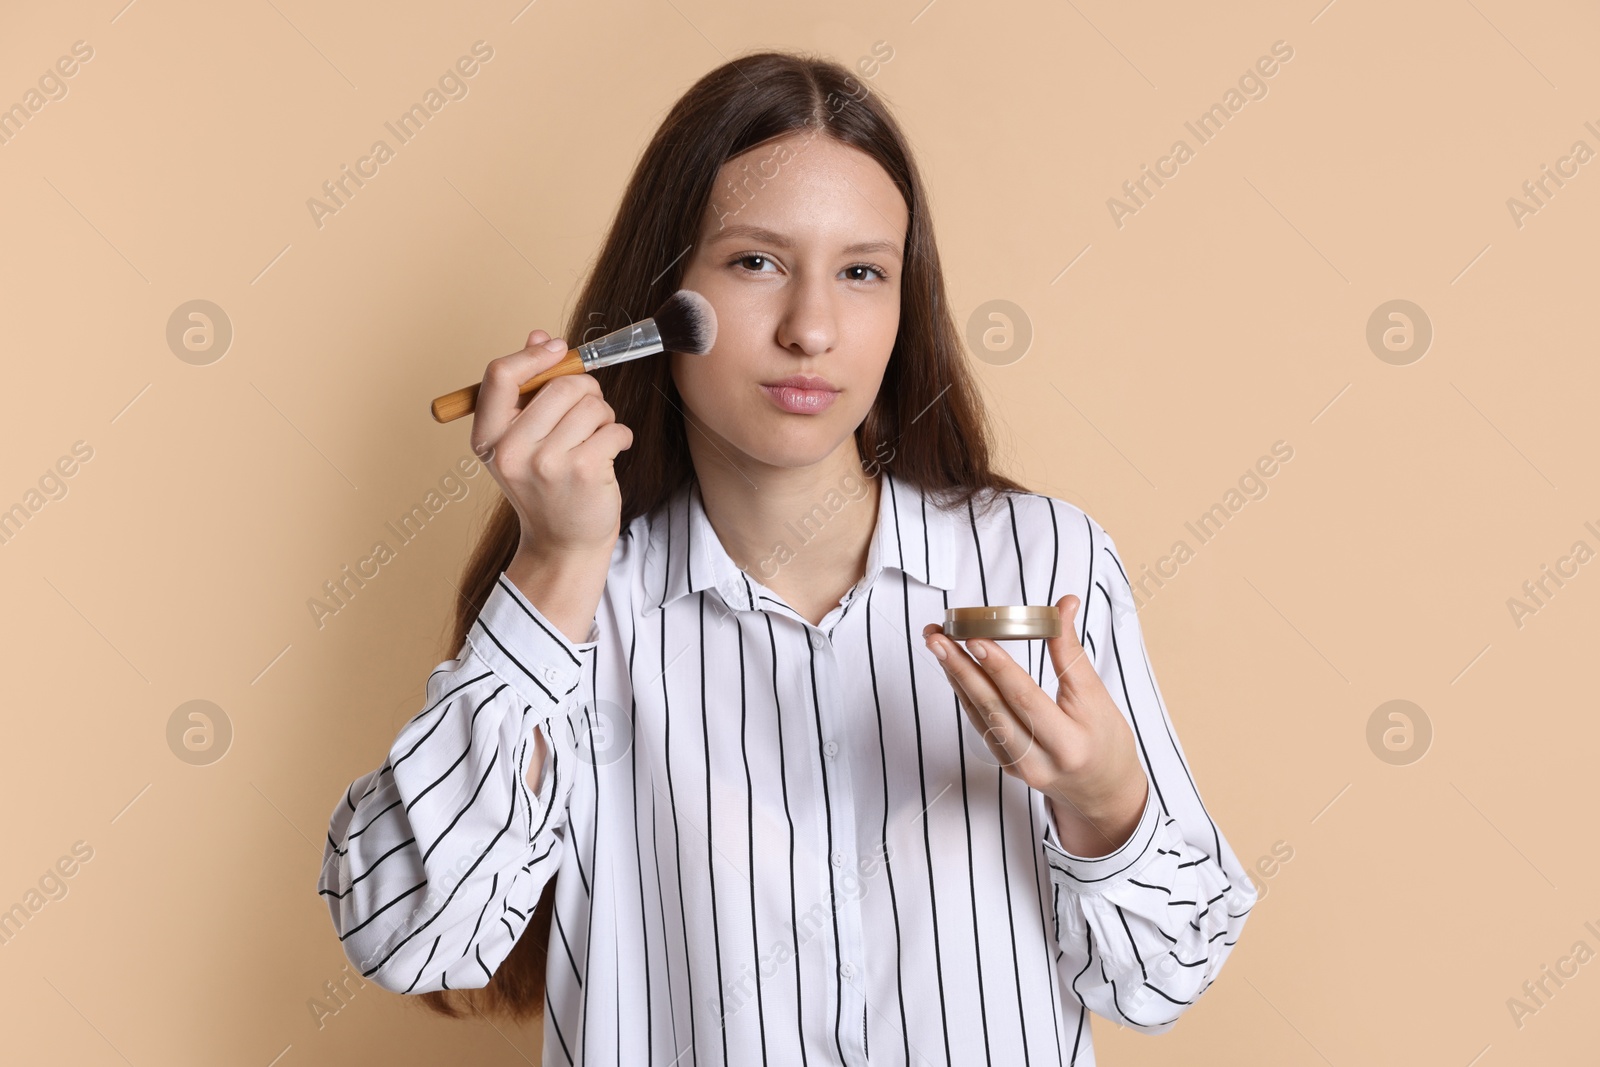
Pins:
x: 553, y: 458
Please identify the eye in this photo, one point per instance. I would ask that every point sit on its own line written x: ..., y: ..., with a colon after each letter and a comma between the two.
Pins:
x: 762, y: 259
x: 737, y: 261
x: 882, y: 274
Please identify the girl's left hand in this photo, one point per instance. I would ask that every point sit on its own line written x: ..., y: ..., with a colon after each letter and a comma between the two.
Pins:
x: 1075, y: 748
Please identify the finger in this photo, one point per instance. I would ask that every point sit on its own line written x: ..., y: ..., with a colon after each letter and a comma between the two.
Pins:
x: 1074, y: 670
x: 990, y: 712
x: 1015, y: 685
x: 499, y: 394
x: 586, y: 415
x: 999, y: 728
x: 604, y: 444
x: 550, y: 404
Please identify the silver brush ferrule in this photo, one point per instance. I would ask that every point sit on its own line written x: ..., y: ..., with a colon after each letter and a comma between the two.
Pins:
x: 619, y: 346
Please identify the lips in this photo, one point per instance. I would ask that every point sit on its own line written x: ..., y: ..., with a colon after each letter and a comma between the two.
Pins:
x: 804, y: 381
x: 802, y: 394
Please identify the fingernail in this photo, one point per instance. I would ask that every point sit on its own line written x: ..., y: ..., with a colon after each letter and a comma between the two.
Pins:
x: 555, y: 345
x: 938, y: 649
x: 976, y: 648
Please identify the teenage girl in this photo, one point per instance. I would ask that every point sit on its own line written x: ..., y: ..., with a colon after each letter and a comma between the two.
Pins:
x: 704, y: 782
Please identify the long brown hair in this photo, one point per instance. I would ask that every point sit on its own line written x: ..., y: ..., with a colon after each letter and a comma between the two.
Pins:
x: 927, y: 425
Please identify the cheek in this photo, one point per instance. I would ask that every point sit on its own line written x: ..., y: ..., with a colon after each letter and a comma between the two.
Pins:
x: 707, y: 383
x: 883, y: 330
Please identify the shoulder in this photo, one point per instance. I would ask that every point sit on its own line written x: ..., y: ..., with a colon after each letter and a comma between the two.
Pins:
x: 1038, y: 520
x: 1041, y: 529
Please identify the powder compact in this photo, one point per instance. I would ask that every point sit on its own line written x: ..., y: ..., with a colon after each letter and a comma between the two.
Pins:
x: 1016, y: 623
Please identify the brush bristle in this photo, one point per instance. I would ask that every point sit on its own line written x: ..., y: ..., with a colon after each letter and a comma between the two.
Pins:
x: 687, y: 323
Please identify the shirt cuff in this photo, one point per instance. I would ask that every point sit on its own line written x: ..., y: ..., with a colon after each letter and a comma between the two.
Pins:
x: 1095, y: 875
x: 525, y: 649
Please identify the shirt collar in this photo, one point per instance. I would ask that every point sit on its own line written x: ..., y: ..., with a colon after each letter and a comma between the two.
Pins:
x: 684, y: 555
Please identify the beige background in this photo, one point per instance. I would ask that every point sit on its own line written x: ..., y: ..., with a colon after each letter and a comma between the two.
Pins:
x: 1167, y: 355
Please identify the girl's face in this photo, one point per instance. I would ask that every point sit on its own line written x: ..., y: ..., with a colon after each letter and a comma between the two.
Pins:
x: 800, y: 254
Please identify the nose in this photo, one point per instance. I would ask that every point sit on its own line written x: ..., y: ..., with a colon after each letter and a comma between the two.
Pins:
x: 809, y: 325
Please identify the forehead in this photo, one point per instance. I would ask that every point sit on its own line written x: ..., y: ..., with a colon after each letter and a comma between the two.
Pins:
x: 810, y: 187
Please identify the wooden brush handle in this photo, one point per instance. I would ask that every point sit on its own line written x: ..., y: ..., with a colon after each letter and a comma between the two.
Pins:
x: 452, y: 406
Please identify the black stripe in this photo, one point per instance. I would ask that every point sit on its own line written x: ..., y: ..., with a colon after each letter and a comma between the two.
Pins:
x: 638, y: 850
x: 827, y: 822
x: 711, y: 848
x: 677, y: 837
x: 788, y: 815
x: 550, y: 1013
x: 594, y: 840
x: 424, y: 966
x: 750, y: 834
x: 1132, y: 941
x: 922, y: 778
x: 515, y: 599
x: 494, y: 759
x: 1011, y: 920
x: 1088, y: 586
x: 515, y: 661
x: 430, y: 920
x: 412, y: 750
x: 961, y: 724
x: 369, y: 870
x: 440, y: 702
x: 561, y: 930
x: 1122, y: 678
x: 888, y: 867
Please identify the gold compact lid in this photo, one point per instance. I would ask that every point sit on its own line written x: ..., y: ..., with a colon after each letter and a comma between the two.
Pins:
x: 1002, y: 623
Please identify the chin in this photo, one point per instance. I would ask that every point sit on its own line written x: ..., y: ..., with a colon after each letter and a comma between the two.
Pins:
x: 806, y: 441
x: 791, y: 455
x: 778, y: 439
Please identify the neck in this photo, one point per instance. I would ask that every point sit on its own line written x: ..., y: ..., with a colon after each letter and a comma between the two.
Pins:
x: 792, y: 528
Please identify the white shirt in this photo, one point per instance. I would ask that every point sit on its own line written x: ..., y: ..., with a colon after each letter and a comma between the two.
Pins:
x: 779, y: 843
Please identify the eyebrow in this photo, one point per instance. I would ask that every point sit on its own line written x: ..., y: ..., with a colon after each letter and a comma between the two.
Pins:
x: 778, y: 240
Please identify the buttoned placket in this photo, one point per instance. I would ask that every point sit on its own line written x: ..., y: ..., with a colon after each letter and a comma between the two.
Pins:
x: 845, y: 853
x: 837, y: 813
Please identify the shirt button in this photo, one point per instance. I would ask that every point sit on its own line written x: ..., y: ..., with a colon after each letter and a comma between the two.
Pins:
x: 847, y: 969
x: 816, y: 640
x: 838, y: 859
x: 831, y: 748
x: 549, y: 674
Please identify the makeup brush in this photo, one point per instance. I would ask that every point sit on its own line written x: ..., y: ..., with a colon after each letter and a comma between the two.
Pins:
x: 685, y: 323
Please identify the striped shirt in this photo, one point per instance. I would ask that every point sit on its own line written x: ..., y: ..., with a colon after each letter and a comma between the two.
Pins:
x: 782, y: 843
